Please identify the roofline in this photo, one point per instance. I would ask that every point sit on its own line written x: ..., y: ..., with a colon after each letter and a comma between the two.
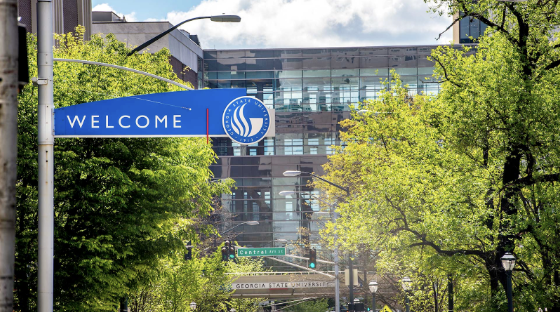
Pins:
x: 353, y: 47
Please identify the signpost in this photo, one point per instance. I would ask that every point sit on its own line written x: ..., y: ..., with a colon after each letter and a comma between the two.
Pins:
x: 257, y: 252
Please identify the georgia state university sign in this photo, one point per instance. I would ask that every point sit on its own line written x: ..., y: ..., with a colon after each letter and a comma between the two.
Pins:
x: 214, y: 113
x: 246, y: 120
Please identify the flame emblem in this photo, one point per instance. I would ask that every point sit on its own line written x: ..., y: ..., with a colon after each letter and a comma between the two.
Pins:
x: 242, y: 127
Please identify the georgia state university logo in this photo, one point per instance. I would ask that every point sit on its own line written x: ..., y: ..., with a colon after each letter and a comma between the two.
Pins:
x: 246, y: 120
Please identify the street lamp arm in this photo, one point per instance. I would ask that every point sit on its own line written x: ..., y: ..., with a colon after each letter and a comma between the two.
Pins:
x: 346, y: 189
x: 156, y: 38
x: 230, y: 229
x: 240, y: 224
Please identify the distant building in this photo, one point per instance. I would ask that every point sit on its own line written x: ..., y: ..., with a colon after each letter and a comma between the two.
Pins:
x: 67, y: 15
x: 311, y: 90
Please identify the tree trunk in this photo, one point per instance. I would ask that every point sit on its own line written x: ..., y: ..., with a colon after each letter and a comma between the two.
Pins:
x: 8, y: 149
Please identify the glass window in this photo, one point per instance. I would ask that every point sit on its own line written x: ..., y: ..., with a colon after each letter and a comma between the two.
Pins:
x: 231, y: 54
x: 411, y: 81
x: 374, y: 62
x: 259, y: 53
x: 316, y: 73
x: 345, y: 62
x: 407, y: 71
x: 289, y: 74
x: 374, y: 72
x: 373, y: 51
x: 316, y: 52
x: 316, y: 84
x: 259, y: 74
x: 231, y: 75
x: 210, y: 55
x: 288, y: 84
x: 210, y: 75
x: 345, y: 51
x: 464, y: 29
x: 260, y: 64
x: 345, y: 72
x: 316, y: 63
x: 426, y: 71
x: 289, y: 64
x: 474, y: 26
x: 403, y: 61
x: 290, y: 53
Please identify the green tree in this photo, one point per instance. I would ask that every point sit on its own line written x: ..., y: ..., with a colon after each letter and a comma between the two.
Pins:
x: 120, y: 204
x: 447, y: 184
x: 204, y: 281
x: 317, y: 305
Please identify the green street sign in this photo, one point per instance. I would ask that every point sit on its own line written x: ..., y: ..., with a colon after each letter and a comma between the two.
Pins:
x: 258, y: 252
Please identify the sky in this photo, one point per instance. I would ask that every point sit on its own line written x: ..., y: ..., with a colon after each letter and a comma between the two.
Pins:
x: 294, y: 23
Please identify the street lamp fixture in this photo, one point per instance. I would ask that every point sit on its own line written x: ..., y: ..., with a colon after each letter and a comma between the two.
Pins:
x: 193, y: 305
x: 508, y: 261
x: 213, y: 18
x: 373, y: 288
x: 406, y: 281
x: 292, y: 173
x: 252, y: 222
x: 406, y: 287
x: 286, y: 193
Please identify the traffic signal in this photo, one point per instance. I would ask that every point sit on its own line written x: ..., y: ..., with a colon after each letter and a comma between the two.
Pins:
x: 231, y: 253
x: 312, y: 258
x: 188, y: 254
x: 23, y: 62
x: 225, y: 251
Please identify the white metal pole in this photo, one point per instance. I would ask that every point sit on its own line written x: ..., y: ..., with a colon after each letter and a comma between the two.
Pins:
x: 46, y: 159
x: 8, y: 148
x: 335, y: 258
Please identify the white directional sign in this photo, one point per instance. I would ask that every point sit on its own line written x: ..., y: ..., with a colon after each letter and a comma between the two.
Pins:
x: 282, y: 285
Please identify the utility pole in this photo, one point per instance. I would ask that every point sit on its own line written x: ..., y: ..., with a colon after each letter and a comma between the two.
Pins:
x: 8, y: 148
x: 46, y: 158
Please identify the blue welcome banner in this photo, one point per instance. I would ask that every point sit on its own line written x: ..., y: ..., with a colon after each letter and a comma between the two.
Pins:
x: 193, y: 113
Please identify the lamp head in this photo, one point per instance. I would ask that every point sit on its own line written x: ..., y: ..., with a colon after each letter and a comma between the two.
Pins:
x: 373, y: 287
x: 252, y: 222
x: 508, y: 261
x: 286, y: 193
x: 292, y: 173
x: 226, y: 18
x: 406, y: 281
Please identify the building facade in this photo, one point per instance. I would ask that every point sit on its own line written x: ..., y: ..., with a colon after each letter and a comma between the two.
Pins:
x: 312, y: 90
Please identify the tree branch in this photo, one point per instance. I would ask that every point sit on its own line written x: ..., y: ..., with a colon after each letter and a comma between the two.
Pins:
x: 450, y: 252
x: 448, y: 27
x: 553, y: 64
x: 527, y: 181
x: 445, y: 73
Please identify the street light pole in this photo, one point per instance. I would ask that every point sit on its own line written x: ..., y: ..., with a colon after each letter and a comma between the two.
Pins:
x: 295, y: 173
x: 406, y: 287
x: 46, y: 159
x: 213, y: 18
x: 373, y: 286
x: 508, y: 262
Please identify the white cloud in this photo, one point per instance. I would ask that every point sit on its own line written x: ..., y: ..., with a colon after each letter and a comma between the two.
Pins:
x: 130, y: 17
x: 315, y: 23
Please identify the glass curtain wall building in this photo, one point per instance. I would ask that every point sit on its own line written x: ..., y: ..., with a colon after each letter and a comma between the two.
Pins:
x: 311, y: 90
